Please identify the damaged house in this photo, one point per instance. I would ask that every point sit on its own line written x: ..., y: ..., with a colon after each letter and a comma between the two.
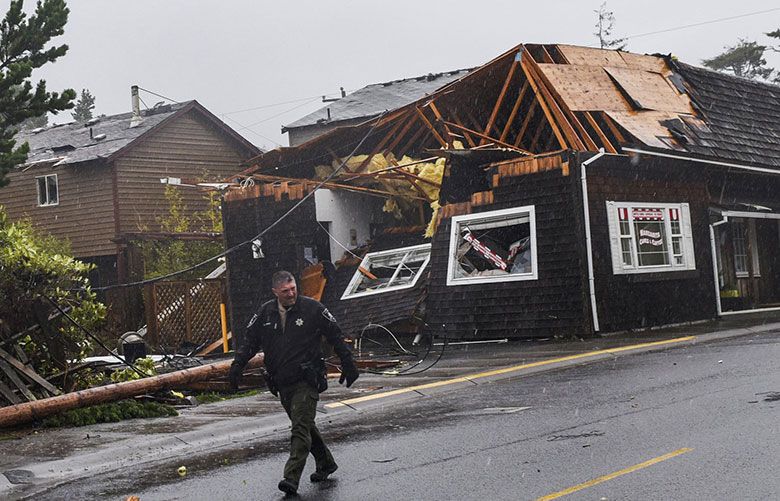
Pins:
x: 554, y: 191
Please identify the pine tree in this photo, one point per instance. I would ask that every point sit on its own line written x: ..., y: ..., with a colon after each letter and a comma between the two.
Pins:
x: 776, y: 35
x: 23, y: 48
x: 746, y: 59
x: 604, y: 27
x: 84, y: 106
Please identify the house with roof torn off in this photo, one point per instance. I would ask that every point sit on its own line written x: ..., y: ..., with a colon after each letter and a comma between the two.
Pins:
x: 554, y: 191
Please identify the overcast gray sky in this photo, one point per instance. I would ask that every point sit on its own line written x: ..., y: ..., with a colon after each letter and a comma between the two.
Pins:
x: 234, y: 55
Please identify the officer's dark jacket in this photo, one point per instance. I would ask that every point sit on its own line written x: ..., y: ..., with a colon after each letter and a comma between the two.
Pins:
x: 307, y: 321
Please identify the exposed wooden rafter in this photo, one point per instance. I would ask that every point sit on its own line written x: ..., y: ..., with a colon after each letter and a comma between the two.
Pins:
x: 526, y: 121
x: 513, y: 113
x: 486, y: 137
x: 539, y: 99
x: 500, y: 99
x: 570, y: 117
x: 435, y: 110
x: 410, y: 118
x: 555, y: 115
x: 602, y: 137
x: 430, y: 126
x: 338, y: 186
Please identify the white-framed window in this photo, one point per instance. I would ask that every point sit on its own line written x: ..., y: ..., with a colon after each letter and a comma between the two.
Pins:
x: 742, y: 233
x: 48, y: 190
x: 650, y: 237
x: 495, y: 246
x: 388, y: 270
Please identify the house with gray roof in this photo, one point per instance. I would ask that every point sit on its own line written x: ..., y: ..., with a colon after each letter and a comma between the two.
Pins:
x: 94, y: 183
x: 366, y: 103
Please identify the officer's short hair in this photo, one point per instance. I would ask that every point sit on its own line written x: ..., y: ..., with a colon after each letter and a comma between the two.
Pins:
x: 280, y: 278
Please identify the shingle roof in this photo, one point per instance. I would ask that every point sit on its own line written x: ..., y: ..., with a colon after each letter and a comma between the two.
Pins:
x: 742, y: 117
x: 71, y: 142
x: 373, y: 99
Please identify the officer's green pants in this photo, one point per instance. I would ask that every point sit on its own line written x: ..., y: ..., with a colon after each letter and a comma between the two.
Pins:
x: 300, y: 403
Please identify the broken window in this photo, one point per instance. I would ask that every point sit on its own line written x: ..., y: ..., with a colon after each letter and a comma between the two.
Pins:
x: 48, y: 192
x: 650, y: 237
x: 388, y: 271
x: 493, y: 246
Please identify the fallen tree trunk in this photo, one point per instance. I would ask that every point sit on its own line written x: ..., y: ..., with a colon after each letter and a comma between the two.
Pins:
x: 29, y: 411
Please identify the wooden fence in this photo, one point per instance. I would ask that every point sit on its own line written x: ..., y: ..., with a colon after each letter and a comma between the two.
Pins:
x: 184, y: 313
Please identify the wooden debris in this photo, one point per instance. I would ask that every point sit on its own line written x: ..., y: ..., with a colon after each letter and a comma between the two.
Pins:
x: 13, y: 415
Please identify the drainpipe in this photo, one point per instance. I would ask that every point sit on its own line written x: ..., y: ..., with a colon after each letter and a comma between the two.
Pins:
x: 715, y: 263
x: 586, y: 214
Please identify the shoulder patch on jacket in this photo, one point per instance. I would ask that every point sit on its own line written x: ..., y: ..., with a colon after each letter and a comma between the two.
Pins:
x: 327, y: 314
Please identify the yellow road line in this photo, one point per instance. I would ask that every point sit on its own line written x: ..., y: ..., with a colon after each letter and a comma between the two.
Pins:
x: 505, y: 370
x: 630, y: 469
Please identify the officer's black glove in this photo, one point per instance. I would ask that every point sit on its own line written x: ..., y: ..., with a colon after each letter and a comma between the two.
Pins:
x: 234, y: 376
x: 349, y: 373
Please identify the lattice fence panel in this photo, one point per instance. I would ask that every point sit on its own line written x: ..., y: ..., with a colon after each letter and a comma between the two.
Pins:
x: 205, y: 319
x: 185, y: 312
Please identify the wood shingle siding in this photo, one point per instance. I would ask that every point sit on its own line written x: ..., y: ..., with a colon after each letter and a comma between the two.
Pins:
x: 249, y: 279
x: 552, y: 305
x: 648, y: 299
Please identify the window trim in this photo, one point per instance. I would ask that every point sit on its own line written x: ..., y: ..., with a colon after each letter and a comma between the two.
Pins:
x: 46, y: 185
x: 365, y: 263
x: 526, y: 210
x: 689, y: 257
x: 750, y: 239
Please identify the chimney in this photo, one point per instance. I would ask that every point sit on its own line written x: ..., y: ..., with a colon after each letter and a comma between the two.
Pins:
x: 136, y: 120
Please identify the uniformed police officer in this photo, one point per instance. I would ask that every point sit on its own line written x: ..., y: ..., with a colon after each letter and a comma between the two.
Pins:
x: 289, y: 330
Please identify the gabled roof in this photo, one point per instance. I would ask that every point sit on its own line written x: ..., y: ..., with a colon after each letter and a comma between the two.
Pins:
x: 373, y: 99
x: 543, y: 98
x: 742, y: 117
x: 106, y: 136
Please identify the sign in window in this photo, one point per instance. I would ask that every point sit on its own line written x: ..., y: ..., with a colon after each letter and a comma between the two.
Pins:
x: 650, y: 237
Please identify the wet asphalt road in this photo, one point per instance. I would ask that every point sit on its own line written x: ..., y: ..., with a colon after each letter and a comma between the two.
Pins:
x: 529, y: 437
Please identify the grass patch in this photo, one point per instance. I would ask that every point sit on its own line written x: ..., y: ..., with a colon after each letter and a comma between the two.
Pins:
x: 109, y: 413
x: 213, y: 396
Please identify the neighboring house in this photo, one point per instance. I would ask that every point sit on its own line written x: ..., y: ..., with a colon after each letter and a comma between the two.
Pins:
x: 365, y: 103
x: 95, y: 183
x: 583, y: 191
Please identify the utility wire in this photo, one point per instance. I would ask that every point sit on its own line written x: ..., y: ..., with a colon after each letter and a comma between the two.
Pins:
x: 259, y: 235
x: 253, y: 131
x: 95, y: 338
x: 159, y: 95
x: 292, y: 101
x: 693, y: 25
x: 282, y: 113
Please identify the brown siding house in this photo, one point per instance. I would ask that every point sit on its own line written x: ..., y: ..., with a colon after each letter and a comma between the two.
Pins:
x: 91, y: 183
